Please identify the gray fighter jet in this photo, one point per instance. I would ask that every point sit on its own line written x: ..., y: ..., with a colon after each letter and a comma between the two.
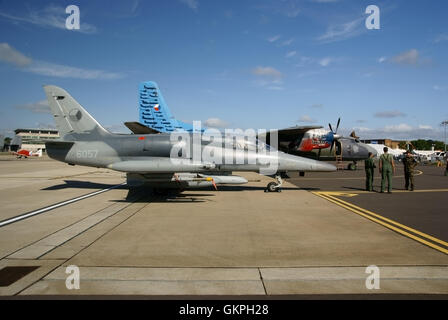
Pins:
x: 164, y: 160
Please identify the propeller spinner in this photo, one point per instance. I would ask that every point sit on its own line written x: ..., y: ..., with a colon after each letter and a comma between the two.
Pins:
x: 335, y: 133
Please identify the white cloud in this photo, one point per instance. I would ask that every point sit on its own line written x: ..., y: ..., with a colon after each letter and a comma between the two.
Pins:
x: 290, y: 54
x: 382, y: 59
x: 274, y: 38
x: 441, y: 38
x: 389, y: 114
x: 307, y: 119
x: 325, y: 62
x: 343, y: 31
x: 135, y: 5
x: 192, y: 4
x: 287, y: 42
x: 400, y: 128
x: 410, y: 57
x: 439, y: 88
x: 401, y: 131
x: 267, y: 72
x: 36, y: 107
x: 12, y: 56
x: 63, y: 71
x: 215, y: 123
x: 52, y: 16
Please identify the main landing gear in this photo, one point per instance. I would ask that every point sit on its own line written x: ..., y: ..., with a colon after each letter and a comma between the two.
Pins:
x: 352, y: 166
x: 275, y: 186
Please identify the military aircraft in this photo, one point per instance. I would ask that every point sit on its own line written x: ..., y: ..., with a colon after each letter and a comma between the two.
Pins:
x: 163, y: 160
x: 307, y: 141
x: 23, y: 153
x: 319, y: 144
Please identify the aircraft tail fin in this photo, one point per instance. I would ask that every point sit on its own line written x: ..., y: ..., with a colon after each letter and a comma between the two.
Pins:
x: 154, y: 112
x: 72, y: 120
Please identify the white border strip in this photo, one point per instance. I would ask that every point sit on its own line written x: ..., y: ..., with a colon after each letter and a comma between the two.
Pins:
x: 33, y: 213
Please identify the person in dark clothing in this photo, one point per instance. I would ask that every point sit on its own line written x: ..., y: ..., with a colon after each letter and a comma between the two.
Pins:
x: 387, y: 169
x: 369, y: 165
x: 409, y: 164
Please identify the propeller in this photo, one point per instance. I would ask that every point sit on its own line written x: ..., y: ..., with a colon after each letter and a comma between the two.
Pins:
x: 335, y: 132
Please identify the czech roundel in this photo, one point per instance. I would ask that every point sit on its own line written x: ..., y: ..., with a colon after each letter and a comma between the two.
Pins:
x: 156, y: 107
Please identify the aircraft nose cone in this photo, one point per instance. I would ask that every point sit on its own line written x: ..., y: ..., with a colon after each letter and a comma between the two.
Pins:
x: 294, y: 163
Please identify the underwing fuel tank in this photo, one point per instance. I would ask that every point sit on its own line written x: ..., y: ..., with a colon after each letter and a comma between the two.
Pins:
x: 160, y: 165
x: 185, y: 180
x: 227, y: 179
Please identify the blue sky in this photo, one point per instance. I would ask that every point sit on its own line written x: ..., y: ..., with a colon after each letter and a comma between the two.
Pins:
x: 242, y: 64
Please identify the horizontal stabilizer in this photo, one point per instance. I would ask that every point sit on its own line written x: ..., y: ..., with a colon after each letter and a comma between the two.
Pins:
x: 138, y: 128
x: 58, y: 144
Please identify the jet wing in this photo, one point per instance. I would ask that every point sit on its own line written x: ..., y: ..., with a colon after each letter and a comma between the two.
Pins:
x: 138, y: 128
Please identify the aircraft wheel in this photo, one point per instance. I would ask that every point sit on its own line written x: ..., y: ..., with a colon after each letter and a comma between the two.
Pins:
x: 271, y: 187
x: 352, y: 166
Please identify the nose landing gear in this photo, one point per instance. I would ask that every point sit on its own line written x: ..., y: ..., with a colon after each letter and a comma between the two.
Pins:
x: 275, y: 186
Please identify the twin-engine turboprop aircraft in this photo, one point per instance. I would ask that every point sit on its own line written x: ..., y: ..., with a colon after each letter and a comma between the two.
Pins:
x: 307, y: 141
x: 164, y: 160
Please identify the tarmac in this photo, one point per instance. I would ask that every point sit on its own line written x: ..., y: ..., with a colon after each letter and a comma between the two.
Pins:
x: 316, y: 237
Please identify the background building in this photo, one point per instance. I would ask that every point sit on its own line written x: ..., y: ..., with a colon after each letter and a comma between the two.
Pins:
x: 393, y: 144
x: 34, y: 139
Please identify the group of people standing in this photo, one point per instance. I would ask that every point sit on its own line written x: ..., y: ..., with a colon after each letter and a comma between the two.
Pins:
x: 387, y: 170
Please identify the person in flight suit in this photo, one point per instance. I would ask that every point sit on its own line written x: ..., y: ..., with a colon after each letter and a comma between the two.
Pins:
x: 387, y: 169
x: 409, y: 164
x: 446, y: 168
x: 369, y: 166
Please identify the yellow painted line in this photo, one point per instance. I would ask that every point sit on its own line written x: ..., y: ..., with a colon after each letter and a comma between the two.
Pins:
x: 394, y: 222
x: 387, y: 225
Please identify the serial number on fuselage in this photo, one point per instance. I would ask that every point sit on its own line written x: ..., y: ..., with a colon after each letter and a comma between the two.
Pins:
x: 87, y: 154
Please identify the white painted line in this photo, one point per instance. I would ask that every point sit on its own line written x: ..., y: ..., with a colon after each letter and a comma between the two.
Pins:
x: 33, y: 213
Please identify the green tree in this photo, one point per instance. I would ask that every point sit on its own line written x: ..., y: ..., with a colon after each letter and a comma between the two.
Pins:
x: 427, y: 144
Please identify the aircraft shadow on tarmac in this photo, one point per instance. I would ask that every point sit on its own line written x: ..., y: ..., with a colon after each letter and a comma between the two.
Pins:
x: 76, y: 184
x: 143, y: 194
x: 146, y: 194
